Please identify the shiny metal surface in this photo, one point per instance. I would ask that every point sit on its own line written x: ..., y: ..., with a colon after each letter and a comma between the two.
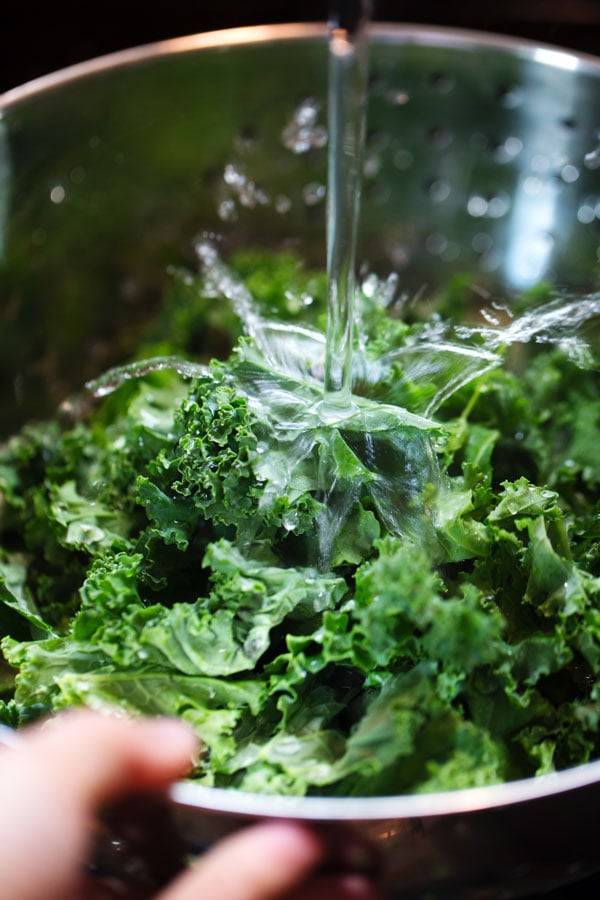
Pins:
x: 487, y: 852
x: 480, y: 161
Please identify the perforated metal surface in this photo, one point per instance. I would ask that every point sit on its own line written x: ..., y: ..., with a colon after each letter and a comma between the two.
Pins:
x: 476, y: 164
x: 482, y: 157
x: 491, y: 144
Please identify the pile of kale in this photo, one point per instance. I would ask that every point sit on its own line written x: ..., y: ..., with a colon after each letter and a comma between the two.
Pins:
x: 148, y: 564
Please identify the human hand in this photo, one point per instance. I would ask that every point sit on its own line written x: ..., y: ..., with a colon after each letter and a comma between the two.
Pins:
x: 53, y: 784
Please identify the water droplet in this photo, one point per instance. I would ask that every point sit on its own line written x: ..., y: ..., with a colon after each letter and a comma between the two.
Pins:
x: 303, y: 133
x: 313, y: 193
x: 498, y: 206
x: 245, y: 189
x: 482, y: 242
x: 282, y: 204
x: 94, y: 142
x: 231, y: 175
x: 436, y: 243
x: 227, y: 211
x: 489, y: 316
x: 450, y: 252
x: 508, y: 150
x: 586, y: 213
x: 439, y: 190
x: 370, y: 285
x: 403, y: 159
x: 399, y: 255
x: 397, y: 97
x: 293, y: 301
x: 569, y: 173
x: 477, y: 206
x: 510, y: 97
x: 57, y: 194
x: 592, y: 159
x: 533, y: 185
x: 371, y: 166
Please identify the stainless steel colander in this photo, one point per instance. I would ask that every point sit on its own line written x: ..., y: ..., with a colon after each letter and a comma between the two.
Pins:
x: 482, y: 159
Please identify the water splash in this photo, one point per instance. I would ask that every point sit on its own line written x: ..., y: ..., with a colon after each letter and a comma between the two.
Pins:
x: 245, y: 189
x: 367, y: 449
x: 297, y: 349
x: 440, y: 353
x: 303, y: 132
x: 111, y: 380
x: 447, y: 356
x: 445, y: 365
x: 299, y: 383
x: 558, y: 322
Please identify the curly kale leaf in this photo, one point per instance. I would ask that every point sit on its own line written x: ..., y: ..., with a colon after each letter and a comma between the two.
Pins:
x: 230, y: 630
x: 15, y: 593
x: 161, y: 556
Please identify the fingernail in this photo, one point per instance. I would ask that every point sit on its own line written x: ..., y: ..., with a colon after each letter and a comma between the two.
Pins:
x: 174, y: 737
x: 295, y: 835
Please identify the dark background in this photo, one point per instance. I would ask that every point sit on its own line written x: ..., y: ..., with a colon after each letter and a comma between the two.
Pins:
x: 36, y: 37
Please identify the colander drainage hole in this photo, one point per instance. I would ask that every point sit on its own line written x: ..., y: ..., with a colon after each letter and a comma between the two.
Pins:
x: 442, y: 82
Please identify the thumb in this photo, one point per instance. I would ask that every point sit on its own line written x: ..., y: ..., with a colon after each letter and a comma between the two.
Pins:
x: 52, y: 785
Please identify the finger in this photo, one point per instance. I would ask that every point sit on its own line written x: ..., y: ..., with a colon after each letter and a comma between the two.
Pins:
x: 95, y: 758
x: 342, y: 887
x: 51, y: 786
x: 261, y: 863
